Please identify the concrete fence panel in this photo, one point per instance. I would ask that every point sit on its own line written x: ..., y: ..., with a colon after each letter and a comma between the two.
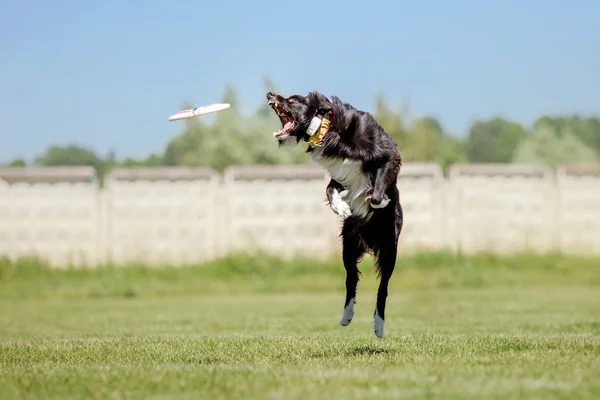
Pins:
x: 178, y: 215
x: 421, y: 195
x: 52, y: 213
x: 281, y: 210
x: 159, y: 216
x: 579, y: 208
x: 502, y: 208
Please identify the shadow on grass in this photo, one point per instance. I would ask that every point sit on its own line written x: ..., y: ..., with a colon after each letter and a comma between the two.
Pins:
x: 366, y: 350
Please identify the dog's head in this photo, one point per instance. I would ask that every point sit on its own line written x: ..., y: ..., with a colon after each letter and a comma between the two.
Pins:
x: 296, y: 112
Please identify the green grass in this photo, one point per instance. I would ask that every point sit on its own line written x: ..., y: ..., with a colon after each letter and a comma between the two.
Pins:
x: 267, y: 274
x: 457, y: 327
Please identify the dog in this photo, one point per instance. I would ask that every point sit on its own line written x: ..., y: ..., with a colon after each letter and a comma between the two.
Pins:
x: 363, y: 162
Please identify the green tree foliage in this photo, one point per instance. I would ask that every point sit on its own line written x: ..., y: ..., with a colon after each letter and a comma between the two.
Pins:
x: 70, y: 155
x: 234, y: 138
x: 493, y: 141
x: 74, y: 155
x: 586, y: 129
x: 551, y: 145
x: 153, y: 160
x: 421, y: 140
x: 390, y: 120
x: 17, y: 163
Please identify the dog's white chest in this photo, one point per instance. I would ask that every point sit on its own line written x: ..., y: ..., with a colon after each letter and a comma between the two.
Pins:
x: 350, y: 175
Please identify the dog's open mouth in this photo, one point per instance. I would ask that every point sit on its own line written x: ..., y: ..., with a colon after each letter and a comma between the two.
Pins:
x: 288, y: 123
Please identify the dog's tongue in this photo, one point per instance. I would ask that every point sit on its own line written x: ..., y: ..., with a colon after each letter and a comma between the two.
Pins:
x: 285, y: 130
x: 288, y: 125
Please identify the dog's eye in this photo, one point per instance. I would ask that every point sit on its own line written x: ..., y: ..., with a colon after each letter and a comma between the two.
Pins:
x: 292, y: 100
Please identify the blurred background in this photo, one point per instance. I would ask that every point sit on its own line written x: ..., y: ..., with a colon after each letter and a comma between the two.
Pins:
x: 494, y: 108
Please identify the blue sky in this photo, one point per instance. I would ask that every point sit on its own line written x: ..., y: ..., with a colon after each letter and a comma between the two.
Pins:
x: 108, y: 74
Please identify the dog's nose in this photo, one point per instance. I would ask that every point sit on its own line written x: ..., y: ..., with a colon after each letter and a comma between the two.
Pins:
x: 270, y: 95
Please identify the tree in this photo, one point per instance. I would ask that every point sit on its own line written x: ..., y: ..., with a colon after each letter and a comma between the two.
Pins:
x: 232, y: 138
x: 218, y: 145
x: 73, y: 155
x: 70, y: 155
x: 153, y: 160
x: 493, y: 141
x: 17, y: 163
x: 546, y: 146
x: 586, y: 129
x: 265, y: 148
x: 451, y: 151
x: 426, y: 141
x: 390, y: 120
x: 422, y: 141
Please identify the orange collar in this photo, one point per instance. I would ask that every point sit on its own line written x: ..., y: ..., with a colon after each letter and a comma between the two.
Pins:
x: 316, y: 140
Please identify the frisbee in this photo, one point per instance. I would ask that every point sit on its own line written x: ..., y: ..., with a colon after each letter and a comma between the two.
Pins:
x: 198, y: 111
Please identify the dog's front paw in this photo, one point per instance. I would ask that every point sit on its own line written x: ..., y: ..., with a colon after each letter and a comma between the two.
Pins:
x: 377, y: 202
x: 339, y: 206
x: 381, y: 204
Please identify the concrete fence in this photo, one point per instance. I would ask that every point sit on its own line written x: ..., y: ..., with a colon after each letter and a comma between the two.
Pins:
x: 174, y: 216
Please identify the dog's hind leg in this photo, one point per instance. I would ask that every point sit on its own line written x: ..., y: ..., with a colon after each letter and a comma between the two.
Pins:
x: 386, y: 262
x: 352, y: 251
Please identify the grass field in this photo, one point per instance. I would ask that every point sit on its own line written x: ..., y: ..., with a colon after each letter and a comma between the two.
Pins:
x: 259, y: 328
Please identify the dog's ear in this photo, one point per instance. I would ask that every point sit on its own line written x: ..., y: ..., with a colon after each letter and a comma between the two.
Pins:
x: 342, y: 117
x: 320, y: 103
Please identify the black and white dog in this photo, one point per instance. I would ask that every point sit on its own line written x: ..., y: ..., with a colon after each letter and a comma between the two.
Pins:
x: 363, y: 162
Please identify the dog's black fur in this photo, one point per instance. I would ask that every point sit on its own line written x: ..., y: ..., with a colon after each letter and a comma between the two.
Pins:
x: 353, y: 135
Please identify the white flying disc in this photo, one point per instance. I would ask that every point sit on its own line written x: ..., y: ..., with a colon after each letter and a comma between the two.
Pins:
x: 198, y: 111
